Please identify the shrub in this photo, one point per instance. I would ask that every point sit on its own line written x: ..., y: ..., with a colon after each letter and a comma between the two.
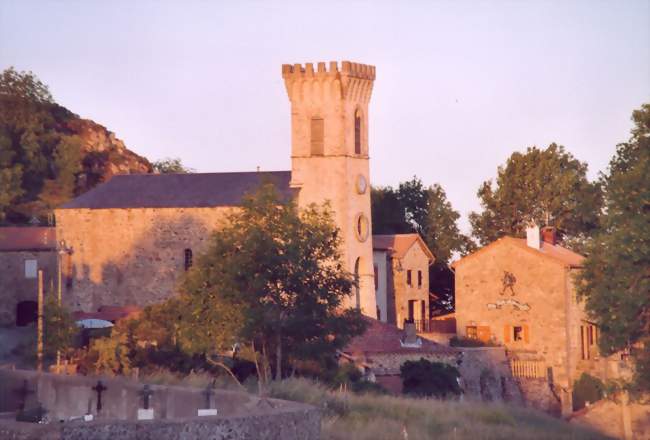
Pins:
x: 587, y: 389
x: 456, y: 341
x: 425, y: 378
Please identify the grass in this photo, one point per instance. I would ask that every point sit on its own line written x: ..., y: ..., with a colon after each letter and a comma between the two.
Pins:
x: 380, y: 417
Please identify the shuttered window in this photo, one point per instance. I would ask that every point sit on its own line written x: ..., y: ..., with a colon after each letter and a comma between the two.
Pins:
x: 317, y: 136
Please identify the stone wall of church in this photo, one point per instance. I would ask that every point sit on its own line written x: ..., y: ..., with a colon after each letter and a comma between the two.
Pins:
x: 130, y: 256
x: 17, y: 286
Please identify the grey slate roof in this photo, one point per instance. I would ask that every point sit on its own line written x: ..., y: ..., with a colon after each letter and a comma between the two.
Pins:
x: 178, y: 190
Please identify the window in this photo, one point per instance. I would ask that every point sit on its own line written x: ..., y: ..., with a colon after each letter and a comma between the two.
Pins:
x: 588, y: 339
x: 188, y: 259
x: 31, y: 267
x: 419, y: 279
x: 409, y: 282
x: 376, y: 276
x: 517, y: 333
x: 362, y: 227
x: 317, y: 136
x: 471, y: 332
x: 378, y: 314
x: 357, y: 132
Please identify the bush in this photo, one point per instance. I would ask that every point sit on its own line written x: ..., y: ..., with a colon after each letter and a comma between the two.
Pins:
x: 424, y: 378
x: 469, y: 342
x: 587, y: 389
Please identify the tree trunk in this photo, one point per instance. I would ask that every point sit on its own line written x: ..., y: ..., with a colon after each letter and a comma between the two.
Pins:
x: 225, y: 367
x: 278, y: 357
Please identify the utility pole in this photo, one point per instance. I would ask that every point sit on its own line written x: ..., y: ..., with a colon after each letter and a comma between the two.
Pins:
x: 39, y: 343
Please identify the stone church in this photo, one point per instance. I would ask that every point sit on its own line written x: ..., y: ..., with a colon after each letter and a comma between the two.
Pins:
x: 130, y: 239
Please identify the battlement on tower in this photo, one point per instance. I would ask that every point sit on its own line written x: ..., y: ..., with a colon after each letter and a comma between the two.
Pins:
x: 349, y: 69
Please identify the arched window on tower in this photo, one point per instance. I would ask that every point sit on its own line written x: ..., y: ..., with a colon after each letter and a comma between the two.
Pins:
x: 357, y: 132
x: 317, y: 136
x: 357, y: 288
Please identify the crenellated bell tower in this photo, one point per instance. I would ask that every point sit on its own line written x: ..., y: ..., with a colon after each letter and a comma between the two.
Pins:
x: 329, y: 156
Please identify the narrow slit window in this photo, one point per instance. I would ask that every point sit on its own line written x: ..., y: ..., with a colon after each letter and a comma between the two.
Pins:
x: 188, y: 259
x: 317, y: 136
x: 357, y: 133
x: 409, y: 281
x: 419, y: 279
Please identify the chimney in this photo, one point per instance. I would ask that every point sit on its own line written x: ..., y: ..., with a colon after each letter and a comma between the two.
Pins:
x: 549, y: 235
x: 532, y: 236
x: 411, y: 334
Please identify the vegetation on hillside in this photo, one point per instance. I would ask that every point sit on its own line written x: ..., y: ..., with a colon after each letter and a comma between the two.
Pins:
x: 49, y: 155
x: 369, y: 416
x: 548, y: 186
x: 616, y: 278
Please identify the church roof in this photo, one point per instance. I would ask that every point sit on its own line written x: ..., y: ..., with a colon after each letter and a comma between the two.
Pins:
x: 192, y: 190
x: 399, y: 244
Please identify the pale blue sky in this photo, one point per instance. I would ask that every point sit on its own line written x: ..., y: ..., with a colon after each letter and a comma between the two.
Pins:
x: 460, y: 84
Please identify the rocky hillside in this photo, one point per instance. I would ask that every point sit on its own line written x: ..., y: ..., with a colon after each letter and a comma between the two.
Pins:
x: 48, y: 154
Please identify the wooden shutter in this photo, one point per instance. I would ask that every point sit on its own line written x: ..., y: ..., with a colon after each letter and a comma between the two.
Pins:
x: 507, y: 331
x: 526, y: 334
x: 317, y: 136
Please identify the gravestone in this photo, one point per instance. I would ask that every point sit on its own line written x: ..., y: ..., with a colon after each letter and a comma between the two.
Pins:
x: 145, y: 413
x: 208, y: 410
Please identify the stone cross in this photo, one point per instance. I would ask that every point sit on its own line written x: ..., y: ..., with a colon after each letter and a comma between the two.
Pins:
x: 208, y: 393
x: 23, y: 392
x: 146, y: 393
x: 99, y: 388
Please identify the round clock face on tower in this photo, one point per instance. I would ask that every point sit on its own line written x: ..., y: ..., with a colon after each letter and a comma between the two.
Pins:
x: 362, y: 184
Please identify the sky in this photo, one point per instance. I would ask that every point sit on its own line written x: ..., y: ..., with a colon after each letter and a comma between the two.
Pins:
x: 460, y: 84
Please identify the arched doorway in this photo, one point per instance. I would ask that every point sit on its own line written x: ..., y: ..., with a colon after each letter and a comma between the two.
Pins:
x: 357, y: 287
x: 26, y: 313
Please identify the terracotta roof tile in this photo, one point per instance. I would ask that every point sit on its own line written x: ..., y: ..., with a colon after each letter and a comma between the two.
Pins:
x: 178, y: 190
x: 381, y: 337
x: 399, y: 244
x: 27, y: 238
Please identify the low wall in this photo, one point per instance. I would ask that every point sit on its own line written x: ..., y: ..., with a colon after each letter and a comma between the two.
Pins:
x: 240, y: 415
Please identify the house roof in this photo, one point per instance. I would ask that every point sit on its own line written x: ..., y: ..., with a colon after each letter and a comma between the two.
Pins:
x: 383, y: 338
x: 556, y: 252
x: 190, y: 190
x: 39, y: 238
x: 399, y: 244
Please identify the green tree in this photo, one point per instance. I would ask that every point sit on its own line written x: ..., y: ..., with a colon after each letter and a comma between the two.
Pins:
x: 60, y: 329
x: 170, y: 166
x: 616, y: 276
x: 547, y: 186
x: 425, y: 378
x: 273, y: 279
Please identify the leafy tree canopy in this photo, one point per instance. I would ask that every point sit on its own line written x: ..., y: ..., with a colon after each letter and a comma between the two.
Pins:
x: 170, y: 165
x: 616, y: 277
x: 547, y: 186
x: 271, y: 278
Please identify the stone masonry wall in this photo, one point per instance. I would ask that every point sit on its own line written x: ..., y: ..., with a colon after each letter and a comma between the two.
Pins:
x: 415, y: 260
x: 130, y: 256
x: 15, y: 287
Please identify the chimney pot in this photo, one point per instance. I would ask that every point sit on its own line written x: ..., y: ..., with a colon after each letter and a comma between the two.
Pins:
x: 532, y: 236
x: 549, y: 235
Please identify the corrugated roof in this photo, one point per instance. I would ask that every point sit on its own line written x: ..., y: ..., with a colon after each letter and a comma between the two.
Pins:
x: 38, y: 238
x: 556, y: 252
x: 381, y: 337
x: 399, y: 244
x: 178, y: 190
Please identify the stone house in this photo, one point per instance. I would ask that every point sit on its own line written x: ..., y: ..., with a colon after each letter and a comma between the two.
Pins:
x: 23, y: 252
x: 133, y: 236
x: 520, y: 293
x: 383, y: 348
x: 401, y: 264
